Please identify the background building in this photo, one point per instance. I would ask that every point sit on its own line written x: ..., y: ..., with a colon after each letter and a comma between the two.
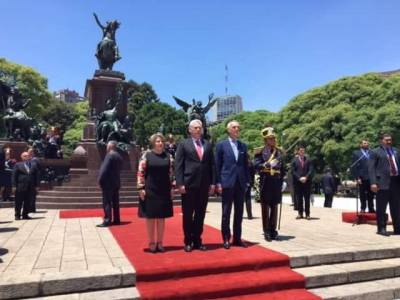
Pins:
x: 68, y: 96
x: 226, y: 106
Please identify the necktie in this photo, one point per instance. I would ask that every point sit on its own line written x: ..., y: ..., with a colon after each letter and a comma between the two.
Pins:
x: 301, y: 162
x: 199, y: 149
x: 393, y: 170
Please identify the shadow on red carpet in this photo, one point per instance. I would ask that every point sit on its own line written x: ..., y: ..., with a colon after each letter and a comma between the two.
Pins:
x: 252, y: 273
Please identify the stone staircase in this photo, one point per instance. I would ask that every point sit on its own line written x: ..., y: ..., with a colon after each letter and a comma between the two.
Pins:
x: 83, y: 192
x: 364, y: 274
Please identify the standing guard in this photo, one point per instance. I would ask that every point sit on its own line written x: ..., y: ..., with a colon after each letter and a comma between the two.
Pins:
x: 269, y: 165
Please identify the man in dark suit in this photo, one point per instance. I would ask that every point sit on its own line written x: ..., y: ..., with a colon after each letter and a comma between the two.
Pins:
x: 26, y: 180
x: 329, y: 187
x: 302, y: 170
x: 360, y: 173
x: 36, y: 162
x: 195, y: 178
x: 232, y: 170
x: 383, y: 169
x: 110, y: 183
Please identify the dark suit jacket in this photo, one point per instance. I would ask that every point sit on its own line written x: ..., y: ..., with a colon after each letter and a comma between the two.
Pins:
x: 228, y: 170
x: 328, y: 184
x: 379, y: 167
x: 360, y: 168
x: 298, y: 171
x: 189, y: 170
x: 24, y: 180
x: 109, y: 174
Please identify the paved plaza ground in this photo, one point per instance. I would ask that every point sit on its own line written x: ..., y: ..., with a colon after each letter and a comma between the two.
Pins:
x: 49, y: 255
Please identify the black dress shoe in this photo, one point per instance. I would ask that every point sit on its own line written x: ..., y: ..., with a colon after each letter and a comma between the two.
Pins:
x: 227, y: 245
x: 26, y: 218
x: 103, y: 225
x: 116, y: 223
x: 239, y: 244
x: 299, y: 217
x: 383, y: 232
x: 250, y: 217
x: 267, y: 237
x: 200, y: 247
x: 187, y: 248
x: 17, y: 218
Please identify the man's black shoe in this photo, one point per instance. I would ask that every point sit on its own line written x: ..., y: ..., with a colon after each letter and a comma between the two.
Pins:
x: 116, y: 223
x: 239, y: 244
x: 17, y: 218
x: 372, y: 212
x: 200, y: 247
x: 227, y: 245
x: 103, y: 225
x: 267, y: 237
x: 26, y: 218
x: 383, y: 232
x: 187, y: 248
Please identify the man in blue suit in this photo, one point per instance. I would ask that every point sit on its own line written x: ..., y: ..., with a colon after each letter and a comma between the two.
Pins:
x: 233, y: 179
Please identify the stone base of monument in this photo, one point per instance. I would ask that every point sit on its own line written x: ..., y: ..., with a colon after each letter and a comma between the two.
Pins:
x: 16, y: 147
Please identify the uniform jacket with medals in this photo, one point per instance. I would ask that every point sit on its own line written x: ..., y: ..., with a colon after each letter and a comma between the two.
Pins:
x: 269, y: 163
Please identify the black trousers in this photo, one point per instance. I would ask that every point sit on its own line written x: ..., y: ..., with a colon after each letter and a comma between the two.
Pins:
x: 6, y: 194
x: 269, y: 214
x: 32, y: 206
x: 303, y: 194
x: 391, y: 196
x: 194, y: 205
x: 366, y: 196
x: 111, y: 200
x: 233, y: 195
x: 23, y: 200
x: 328, y: 200
x: 247, y: 200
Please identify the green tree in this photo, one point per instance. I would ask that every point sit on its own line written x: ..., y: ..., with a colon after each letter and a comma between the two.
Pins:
x: 151, y: 116
x: 73, y: 135
x: 31, y: 85
x: 60, y: 115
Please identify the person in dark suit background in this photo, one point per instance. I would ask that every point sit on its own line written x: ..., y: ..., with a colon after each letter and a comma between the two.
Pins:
x: 195, y: 179
x: 302, y: 171
x: 110, y: 183
x: 232, y: 170
x: 360, y: 173
x: 383, y: 170
x: 247, y: 196
x: 26, y: 180
x: 328, y: 187
x: 36, y: 162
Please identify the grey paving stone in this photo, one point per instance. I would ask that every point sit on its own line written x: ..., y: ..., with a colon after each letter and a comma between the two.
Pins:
x: 15, y: 287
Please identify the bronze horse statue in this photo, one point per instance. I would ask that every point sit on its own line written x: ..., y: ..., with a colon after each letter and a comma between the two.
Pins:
x: 107, y: 51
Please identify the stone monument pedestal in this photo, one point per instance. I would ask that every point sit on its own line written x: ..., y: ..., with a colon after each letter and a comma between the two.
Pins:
x: 16, y: 147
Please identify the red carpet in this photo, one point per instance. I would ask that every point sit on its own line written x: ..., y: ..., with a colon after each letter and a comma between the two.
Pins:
x: 252, y: 273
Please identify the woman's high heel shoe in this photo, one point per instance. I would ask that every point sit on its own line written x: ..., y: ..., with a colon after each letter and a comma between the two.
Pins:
x: 160, y: 247
x: 153, y: 247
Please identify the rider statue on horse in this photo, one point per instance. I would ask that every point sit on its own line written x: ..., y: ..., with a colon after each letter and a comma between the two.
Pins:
x: 107, y: 50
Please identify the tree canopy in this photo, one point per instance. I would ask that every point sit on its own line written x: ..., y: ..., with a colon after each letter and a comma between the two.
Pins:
x: 332, y: 119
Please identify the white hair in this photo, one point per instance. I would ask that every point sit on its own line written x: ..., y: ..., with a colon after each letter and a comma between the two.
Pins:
x: 195, y: 122
x: 230, y: 124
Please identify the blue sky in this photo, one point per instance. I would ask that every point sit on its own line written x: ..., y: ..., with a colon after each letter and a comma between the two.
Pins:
x: 274, y: 49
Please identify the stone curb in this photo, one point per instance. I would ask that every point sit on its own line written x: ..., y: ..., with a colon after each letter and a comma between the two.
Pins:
x: 35, y: 285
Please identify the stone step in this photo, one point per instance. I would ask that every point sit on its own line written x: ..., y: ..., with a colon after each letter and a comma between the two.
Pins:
x: 83, y: 199
x: 86, y: 205
x: 90, y: 188
x: 129, y: 293
x: 383, y: 289
x: 351, y: 254
x: 344, y: 273
x: 46, y: 284
x: 82, y: 194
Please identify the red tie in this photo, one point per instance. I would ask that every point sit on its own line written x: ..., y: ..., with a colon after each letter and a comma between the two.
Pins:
x: 199, y: 149
x: 301, y: 162
x: 393, y: 171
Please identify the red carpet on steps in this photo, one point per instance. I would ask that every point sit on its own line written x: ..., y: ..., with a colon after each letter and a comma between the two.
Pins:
x: 252, y: 273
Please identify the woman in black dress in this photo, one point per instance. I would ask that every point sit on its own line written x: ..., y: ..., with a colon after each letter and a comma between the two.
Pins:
x: 155, y: 190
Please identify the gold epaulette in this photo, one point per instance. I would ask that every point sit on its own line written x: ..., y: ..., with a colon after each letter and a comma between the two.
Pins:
x: 258, y: 150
